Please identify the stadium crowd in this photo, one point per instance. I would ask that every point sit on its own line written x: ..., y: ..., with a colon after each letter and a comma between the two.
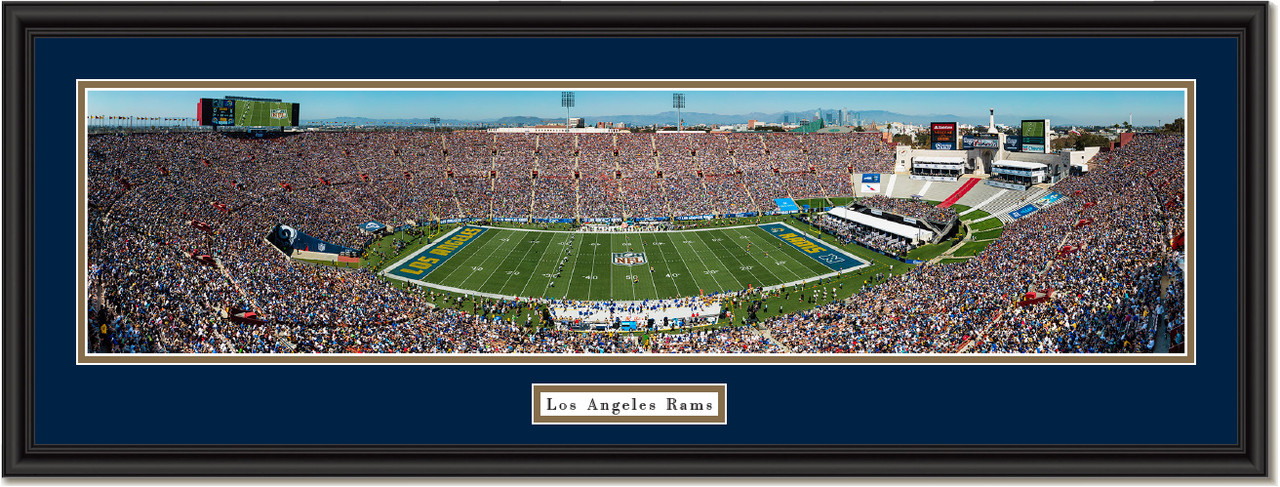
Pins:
x: 912, y: 208
x: 177, y: 225
x: 1118, y: 223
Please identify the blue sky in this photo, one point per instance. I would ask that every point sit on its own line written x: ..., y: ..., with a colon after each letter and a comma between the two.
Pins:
x: 1084, y: 107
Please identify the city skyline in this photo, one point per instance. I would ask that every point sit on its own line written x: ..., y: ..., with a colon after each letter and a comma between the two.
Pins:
x: 1082, y: 107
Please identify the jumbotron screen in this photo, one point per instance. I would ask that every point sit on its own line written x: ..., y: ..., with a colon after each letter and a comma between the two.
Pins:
x: 943, y: 135
x: 1033, y: 135
x: 247, y: 113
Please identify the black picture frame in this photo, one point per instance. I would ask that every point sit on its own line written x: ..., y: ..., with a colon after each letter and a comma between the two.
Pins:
x: 27, y: 21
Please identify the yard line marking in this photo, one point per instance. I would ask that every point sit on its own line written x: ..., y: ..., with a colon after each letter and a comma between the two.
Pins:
x: 675, y: 285
x: 475, y: 269
x: 539, y: 264
x: 721, y: 261
x: 517, y: 265
x: 593, y: 273
x: 574, y: 262
x: 719, y: 287
x: 741, y: 264
x: 762, y: 264
x: 656, y: 294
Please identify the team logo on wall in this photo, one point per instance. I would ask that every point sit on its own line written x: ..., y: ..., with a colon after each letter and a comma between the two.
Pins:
x: 278, y: 114
x: 628, y: 258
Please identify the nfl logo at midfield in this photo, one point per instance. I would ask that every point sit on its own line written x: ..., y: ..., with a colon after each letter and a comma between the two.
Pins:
x: 628, y: 258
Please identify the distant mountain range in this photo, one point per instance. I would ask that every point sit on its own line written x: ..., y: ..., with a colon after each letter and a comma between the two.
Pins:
x: 697, y: 118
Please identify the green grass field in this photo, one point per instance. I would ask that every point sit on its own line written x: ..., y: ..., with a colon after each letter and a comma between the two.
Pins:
x: 974, y: 215
x: 822, y: 203
x: 988, y: 235
x: 510, y: 262
x: 971, y: 248
x: 929, y: 251
x: 987, y: 224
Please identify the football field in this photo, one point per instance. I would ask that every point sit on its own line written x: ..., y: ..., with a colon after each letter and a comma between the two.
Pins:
x: 508, y: 262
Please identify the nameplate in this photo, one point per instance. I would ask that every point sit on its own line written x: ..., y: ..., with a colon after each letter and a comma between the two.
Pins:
x: 629, y: 403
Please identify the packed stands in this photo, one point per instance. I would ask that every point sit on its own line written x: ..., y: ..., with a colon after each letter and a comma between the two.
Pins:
x: 159, y: 203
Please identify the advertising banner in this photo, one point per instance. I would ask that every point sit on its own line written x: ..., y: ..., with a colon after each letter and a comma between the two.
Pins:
x: 786, y: 204
x: 981, y: 143
x: 1013, y: 144
x: 871, y: 178
x: 1048, y: 199
x: 288, y: 239
x: 371, y: 226
x: 1024, y: 211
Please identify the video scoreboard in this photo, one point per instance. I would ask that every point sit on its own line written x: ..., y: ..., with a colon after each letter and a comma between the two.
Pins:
x: 240, y: 112
x: 1033, y: 136
x: 942, y: 135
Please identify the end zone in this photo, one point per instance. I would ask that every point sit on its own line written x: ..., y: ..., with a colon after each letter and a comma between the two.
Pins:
x: 828, y: 255
x: 417, y: 265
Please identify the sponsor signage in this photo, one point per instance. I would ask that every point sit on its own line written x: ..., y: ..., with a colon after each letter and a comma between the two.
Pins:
x: 694, y: 217
x: 871, y: 178
x: 1017, y: 172
x: 1002, y: 184
x: 1049, y: 199
x: 938, y: 165
x: 870, y: 187
x: 1024, y: 211
x: 942, y: 135
x: 935, y: 178
x: 786, y: 204
x: 981, y: 143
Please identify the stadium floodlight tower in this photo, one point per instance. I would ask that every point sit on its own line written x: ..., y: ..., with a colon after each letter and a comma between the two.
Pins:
x: 677, y: 102
x: 566, y: 101
x: 436, y: 122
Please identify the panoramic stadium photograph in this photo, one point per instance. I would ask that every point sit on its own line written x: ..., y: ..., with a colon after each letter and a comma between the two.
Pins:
x: 636, y: 221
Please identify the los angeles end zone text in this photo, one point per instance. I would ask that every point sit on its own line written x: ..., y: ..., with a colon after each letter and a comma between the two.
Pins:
x: 437, y: 254
x: 503, y: 262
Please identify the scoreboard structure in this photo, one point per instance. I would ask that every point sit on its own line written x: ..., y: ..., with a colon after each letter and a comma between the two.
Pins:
x: 1034, y: 136
x: 246, y: 112
x: 942, y: 135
